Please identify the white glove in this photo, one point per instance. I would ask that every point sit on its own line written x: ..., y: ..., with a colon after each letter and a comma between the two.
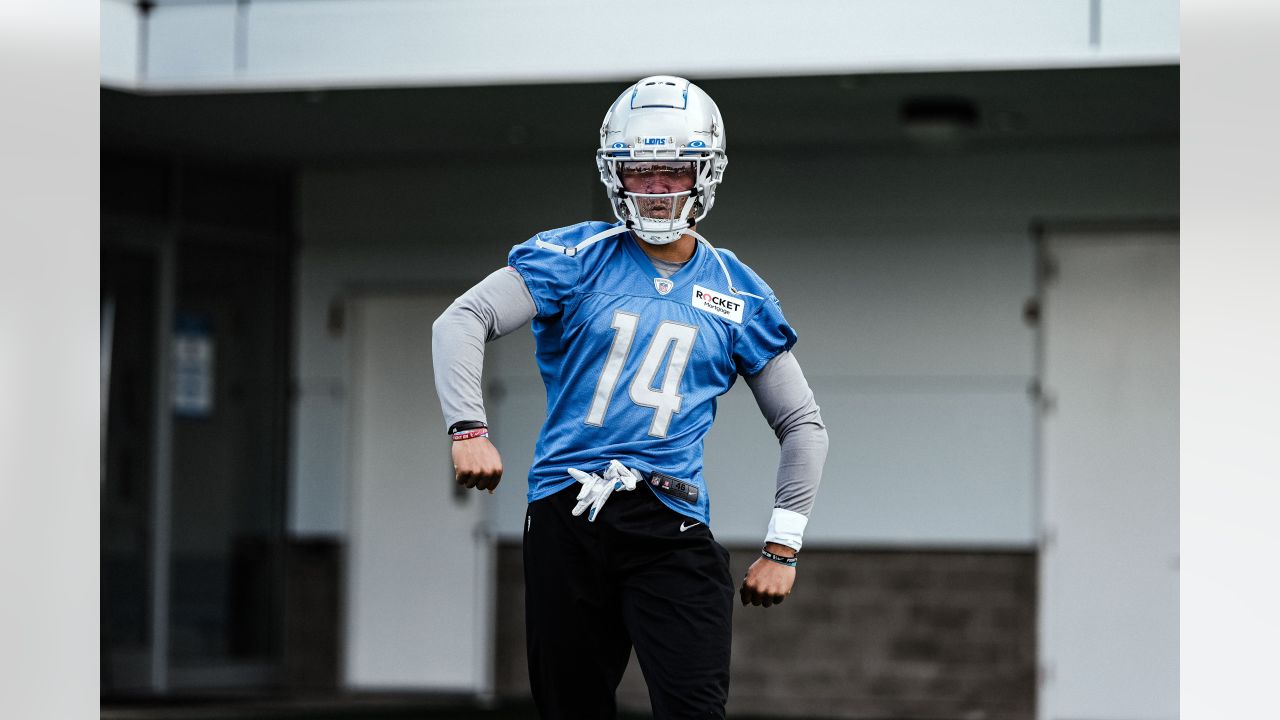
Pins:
x: 596, y: 490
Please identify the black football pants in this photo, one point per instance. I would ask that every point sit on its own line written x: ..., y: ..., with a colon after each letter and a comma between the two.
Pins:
x: 641, y: 575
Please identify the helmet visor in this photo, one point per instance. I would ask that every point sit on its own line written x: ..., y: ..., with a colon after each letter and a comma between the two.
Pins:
x: 658, y: 177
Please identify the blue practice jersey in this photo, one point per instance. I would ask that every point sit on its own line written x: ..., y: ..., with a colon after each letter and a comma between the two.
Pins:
x: 633, y: 362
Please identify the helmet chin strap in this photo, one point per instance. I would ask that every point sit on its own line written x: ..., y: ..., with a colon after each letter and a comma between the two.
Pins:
x: 660, y: 239
x: 723, y: 268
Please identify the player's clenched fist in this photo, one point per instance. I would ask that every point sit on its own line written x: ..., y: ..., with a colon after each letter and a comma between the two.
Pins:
x: 477, y: 464
x: 767, y: 582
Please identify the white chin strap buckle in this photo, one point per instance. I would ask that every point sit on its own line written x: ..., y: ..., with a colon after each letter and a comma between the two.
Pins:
x: 596, y: 490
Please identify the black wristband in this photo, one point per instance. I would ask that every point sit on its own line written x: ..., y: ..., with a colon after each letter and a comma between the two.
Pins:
x: 780, y: 559
x: 466, y: 425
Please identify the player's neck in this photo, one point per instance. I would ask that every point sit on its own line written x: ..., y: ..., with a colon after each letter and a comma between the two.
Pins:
x: 675, y: 252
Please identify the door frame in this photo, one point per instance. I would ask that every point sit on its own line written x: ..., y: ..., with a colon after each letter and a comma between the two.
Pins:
x: 160, y: 239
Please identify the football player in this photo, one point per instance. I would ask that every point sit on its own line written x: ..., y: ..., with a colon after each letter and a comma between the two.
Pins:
x: 640, y: 325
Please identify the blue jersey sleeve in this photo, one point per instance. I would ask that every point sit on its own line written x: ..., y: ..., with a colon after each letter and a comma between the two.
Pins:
x: 551, y: 276
x: 765, y: 335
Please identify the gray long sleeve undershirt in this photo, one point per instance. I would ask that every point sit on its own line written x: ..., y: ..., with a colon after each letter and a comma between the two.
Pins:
x: 495, y: 306
x: 501, y: 304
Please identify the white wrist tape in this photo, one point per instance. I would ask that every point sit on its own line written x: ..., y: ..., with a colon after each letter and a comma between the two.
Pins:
x: 786, y: 527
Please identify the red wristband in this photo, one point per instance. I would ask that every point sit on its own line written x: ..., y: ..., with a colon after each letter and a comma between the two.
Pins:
x: 470, y: 434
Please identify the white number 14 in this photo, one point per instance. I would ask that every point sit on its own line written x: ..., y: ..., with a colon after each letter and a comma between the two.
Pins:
x: 665, y: 401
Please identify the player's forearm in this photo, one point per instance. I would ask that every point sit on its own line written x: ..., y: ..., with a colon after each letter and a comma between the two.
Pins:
x: 492, y: 308
x: 803, y: 452
x: 788, y: 405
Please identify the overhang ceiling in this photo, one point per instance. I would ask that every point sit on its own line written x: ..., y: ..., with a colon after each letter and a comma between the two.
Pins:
x: 1022, y: 109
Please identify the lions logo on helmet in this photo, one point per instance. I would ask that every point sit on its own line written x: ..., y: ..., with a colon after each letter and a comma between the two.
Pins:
x: 687, y: 119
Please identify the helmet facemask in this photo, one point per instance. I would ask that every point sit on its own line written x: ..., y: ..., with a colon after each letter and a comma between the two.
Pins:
x: 654, y: 195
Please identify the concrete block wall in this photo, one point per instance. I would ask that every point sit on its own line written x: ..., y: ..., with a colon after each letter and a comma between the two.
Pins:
x: 866, y: 634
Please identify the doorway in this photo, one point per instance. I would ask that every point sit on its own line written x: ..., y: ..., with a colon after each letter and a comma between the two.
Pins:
x: 419, y: 563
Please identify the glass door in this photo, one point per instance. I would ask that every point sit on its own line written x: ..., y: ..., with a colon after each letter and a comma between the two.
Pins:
x: 229, y: 375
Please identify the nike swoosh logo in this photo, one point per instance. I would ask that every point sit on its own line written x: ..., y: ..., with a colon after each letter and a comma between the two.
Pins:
x: 683, y: 527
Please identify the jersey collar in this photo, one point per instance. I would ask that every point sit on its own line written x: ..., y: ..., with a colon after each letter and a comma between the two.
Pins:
x: 645, y: 265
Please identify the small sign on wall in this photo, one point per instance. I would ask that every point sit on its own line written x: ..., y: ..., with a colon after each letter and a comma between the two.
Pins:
x: 193, y: 366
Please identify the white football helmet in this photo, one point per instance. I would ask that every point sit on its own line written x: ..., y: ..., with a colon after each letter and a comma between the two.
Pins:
x: 665, y: 120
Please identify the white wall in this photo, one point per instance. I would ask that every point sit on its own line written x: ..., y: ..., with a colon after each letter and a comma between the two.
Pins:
x: 905, y: 276
x: 306, y: 44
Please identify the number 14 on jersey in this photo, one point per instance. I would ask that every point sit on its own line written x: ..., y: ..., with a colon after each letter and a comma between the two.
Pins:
x: 665, y: 400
